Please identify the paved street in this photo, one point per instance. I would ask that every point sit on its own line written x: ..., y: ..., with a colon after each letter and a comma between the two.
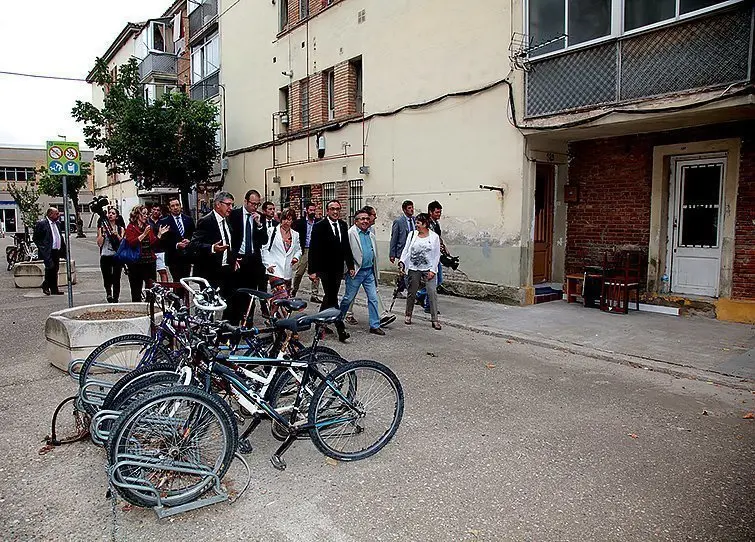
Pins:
x: 501, y: 440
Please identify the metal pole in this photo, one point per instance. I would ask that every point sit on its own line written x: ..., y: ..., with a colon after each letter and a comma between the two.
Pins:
x: 68, y: 241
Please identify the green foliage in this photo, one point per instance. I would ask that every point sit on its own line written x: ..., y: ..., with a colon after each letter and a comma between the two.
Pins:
x: 27, y: 199
x: 170, y: 142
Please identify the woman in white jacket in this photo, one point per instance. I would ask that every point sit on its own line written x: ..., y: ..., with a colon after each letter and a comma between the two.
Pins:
x: 419, y: 261
x: 281, y: 253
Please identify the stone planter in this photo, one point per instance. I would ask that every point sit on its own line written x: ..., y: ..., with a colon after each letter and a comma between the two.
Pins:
x: 32, y: 274
x: 69, y: 338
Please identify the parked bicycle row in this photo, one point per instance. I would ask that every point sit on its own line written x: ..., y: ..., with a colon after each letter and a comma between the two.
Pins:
x: 174, y: 408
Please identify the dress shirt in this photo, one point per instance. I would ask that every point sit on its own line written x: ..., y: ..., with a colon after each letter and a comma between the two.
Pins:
x: 242, y: 249
x: 310, y: 225
x: 368, y: 257
x: 223, y: 235
x: 55, y: 235
x: 336, y: 228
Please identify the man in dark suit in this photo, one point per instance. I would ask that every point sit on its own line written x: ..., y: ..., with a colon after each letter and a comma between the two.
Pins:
x: 401, y: 229
x: 268, y: 215
x: 329, y: 256
x: 176, y: 241
x: 210, y: 246
x: 248, y: 237
x: 48, y: 236
x: 303, y: 227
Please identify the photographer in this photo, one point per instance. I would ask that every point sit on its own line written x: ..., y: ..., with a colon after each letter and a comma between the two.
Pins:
x: 109, y: 235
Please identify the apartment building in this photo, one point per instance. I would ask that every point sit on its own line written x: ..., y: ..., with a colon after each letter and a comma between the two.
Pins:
x: 162, y: 49
x: 377, y: 102
x: 18, y: 165
x: 640, y: 120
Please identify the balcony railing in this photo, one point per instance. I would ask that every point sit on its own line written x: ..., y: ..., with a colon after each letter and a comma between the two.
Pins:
x: 158, y: 64
x: 705, y: 52
x: 206, y: 88
x: 199, y: 19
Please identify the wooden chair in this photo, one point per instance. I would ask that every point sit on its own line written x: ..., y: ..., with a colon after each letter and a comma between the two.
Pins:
x: 623, y: 275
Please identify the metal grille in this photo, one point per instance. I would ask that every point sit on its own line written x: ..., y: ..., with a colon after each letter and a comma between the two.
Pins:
x: 355, y: 197
x: 585, y: 77
x: 710, y: 51
x: 285, y: 198
x: 306, y: 198
x: 157, y: 63
x: 202, y: 16
x: 206, y: 88
x: 328, y: 193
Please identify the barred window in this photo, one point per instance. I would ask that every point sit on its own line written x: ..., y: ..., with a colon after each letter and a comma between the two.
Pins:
x: 306, y: 198
x: 355, y: 197
x: 328, y: 193
x: 285, y: 202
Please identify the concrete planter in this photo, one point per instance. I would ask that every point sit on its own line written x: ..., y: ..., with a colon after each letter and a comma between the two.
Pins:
x: 32, y: 274
x: 69, y: 339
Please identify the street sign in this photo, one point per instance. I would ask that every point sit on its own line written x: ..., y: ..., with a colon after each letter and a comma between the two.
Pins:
x: 63, y: 158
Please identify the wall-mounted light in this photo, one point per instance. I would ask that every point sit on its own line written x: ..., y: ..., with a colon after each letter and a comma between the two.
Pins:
x: 486, y: 187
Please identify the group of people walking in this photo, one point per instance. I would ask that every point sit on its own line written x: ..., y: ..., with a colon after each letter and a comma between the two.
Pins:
x: 248, y: 247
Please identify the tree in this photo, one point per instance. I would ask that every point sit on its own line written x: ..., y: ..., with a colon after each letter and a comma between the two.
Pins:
x: 168, y: 142
x: 52, y: 185
x: 27, y: 199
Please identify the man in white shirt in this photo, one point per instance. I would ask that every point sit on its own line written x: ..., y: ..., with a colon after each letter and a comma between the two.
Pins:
x: 50, y: 246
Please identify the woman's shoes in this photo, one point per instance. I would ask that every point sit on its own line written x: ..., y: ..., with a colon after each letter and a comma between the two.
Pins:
x: 436, y: 325
x: 408, y: 320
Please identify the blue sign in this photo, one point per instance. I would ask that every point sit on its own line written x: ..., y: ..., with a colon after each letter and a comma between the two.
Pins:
x: 56, y: 166
x: 71, y: 167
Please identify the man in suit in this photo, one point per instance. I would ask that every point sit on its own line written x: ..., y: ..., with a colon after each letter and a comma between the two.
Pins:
x: 48, y: 236
x: 248, y: 237
x: 268, y: 215
x: 210, y: 246
x: 330, y: 254
x: 402, y: 226
x: 303, y: 227
x: 176, y: 241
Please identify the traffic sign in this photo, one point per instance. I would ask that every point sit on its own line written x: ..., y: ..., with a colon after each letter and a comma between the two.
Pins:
x: 63, y: 158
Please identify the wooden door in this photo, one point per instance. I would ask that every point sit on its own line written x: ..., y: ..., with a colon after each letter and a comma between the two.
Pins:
x: 545, y: 177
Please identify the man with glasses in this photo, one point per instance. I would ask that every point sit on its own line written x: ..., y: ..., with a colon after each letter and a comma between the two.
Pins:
x: 248, y: 237
x: 214, y: 259
x: 329, y: 255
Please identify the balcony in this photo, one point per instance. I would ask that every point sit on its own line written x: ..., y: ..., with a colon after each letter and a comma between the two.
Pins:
x: 158, y: 65
x: 706, y: 52
x: 206, y: 88
x: 202, y: 18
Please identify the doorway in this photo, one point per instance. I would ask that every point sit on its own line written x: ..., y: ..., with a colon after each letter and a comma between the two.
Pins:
x: 545, y: 184
x: 695, y: 221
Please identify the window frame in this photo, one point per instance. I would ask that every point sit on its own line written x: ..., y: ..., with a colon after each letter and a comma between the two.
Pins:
x: 617, y: 24
x: 328, y: 194
x: 200, y: 50
x: 330, y: 93
x: 282, y: 15
x: 303, y: 9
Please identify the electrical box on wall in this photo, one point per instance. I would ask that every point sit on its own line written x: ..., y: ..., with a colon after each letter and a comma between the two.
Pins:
x: 364, y: 170
x: 276, y: 179
x: 224, y: 164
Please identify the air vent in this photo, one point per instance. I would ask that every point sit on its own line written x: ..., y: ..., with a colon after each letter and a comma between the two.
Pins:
x: 361, y: 16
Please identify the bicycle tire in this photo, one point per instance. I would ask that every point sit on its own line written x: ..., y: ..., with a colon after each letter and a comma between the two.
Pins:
x: 111, y: 360
x: 331, y: 417
x: 284, y: 389
x: 11, y: 254
x: 137, y: 382
x: 153, y: 428
x: 302, y: 352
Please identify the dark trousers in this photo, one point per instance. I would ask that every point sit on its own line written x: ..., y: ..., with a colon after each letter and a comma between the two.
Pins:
x: 51, y: 271
x: 111, y: 276
x: 331, y: 282
x: 179, y: 271
x: 140, y: 274
x: 251, y: 275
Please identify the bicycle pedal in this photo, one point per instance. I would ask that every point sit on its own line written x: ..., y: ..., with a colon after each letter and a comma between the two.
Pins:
x: 278, y: 462
x: 245, y: 447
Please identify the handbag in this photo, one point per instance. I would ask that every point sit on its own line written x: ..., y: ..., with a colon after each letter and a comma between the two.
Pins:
x: 128, y: 254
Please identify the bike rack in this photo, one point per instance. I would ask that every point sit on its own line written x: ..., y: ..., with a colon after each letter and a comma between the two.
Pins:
x: 98, y: 434
x: 74, y: 367
x: 161, y: 510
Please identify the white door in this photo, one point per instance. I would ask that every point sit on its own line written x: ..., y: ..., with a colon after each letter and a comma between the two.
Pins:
x: 696, y: 225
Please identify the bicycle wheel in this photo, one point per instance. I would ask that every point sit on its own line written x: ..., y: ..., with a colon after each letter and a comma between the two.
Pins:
x: 140, y: 382
x: 356, y: 411
x: 110, y: 361
x: 175, y: 442
x: 285, y: 387
x: 11, y: 254
x: 299, y: 351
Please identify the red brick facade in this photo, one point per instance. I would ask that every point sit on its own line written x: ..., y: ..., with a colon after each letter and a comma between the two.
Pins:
x: 295, y: 17
x: 342, y: 195
x: 614, y: 177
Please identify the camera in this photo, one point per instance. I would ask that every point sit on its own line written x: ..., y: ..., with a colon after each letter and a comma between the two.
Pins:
x: 98, y: 206
x: 449, y: 261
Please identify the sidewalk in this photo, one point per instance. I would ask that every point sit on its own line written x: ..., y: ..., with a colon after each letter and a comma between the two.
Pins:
x: 691, y: 347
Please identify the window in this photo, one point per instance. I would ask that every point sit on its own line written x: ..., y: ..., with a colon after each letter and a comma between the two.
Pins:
x: 328, y: 194
x: 554, y: 25
x: 285, y: 202
x: 17, y: 174
x: 304, y: 99
x: 356, y: 68
x: 284, y: 108
x: 205, y: 58
x: 330, y: 89
x: 303, y: 9
x: 157, y: 37
x: 191, y: 5
x: 282, y: 14
x: 306, y: 198
x: 355, y: 198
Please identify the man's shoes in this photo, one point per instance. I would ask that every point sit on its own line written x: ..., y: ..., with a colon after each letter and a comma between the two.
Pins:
x: 342, y: 334
x: 58, y: 292
x: 387, y: 320
x: 351, y: 320
x: 377, y: 331
x: 46, y: 291
x: 315, y: 299
x: 110, y: 299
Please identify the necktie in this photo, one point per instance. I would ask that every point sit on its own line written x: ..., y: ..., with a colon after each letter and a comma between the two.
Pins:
x: 411, y: 224
x: 226, y: 236
x: 180, y: 224
x: 248, y: 244
x: 336, y: 232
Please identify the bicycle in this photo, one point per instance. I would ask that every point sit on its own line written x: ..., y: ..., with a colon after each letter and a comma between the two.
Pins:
x: 21, y: 251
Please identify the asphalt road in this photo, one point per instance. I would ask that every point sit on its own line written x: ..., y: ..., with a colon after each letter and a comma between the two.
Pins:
x: 500, y: 441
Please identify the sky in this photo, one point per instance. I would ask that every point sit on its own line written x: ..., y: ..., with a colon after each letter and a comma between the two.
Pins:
x: 62, y: 39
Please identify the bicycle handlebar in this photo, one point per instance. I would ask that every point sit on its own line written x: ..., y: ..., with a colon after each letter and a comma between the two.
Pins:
x: 206, y: 298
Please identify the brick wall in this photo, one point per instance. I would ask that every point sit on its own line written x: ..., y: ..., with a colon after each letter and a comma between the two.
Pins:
x: 294, y: 16
x: 294, y: 100
x: 318, y: 99
x: 342, y: 195
x: 743, y: 283
x: 615, y: 182
x: 317, y: 197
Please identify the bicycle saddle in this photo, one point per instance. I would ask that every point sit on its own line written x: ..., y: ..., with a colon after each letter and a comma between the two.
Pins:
x: 293, y: 305
x: 323, y: 317
x: 254, y: 293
